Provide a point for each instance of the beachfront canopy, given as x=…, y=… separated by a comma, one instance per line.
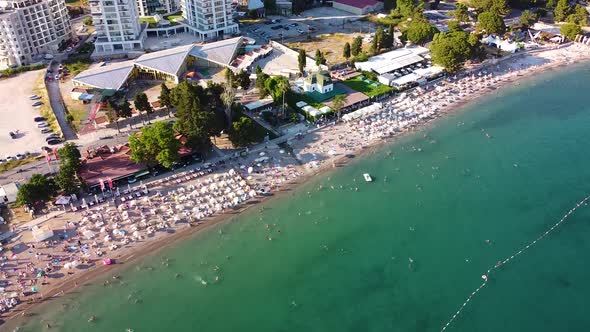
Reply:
x=41, y=233
x=362, y=112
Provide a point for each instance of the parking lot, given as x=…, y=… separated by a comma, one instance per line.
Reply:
x=312, y=22
x=17, y=113
x=282, y=28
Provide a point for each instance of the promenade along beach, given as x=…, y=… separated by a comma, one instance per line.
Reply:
x=447, y=202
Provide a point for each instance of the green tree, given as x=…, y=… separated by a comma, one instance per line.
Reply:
x=70, y=155
x=527, y=18
x=260, y=83
x=570, y=30
x=454, y=25
x=193, y=120
x=155, y=144
x=461, y=13
x=388, y=37
x=125, y=110
x=69, y=164
x=112, y=113
x=346, y=51
x=490, y=22
x=450, y=50
x=499, y=7
x=357, y=46
x=337, y=104
x=319, y=58
x=243, y=132
x=38, y=188
x=407, y=8
x=165, y=97
x=142, y=104
x=87, y=21
x=550, y=4
x=301, y=61
x=379, y=38
x=388, y=5
x=270, y=5
x=243, y=79
x=283, y=87
x=579, y=16
x=67, y=179
x=419, y=31
x=562, y=10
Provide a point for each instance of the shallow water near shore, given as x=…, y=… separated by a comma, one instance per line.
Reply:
x=401, y=253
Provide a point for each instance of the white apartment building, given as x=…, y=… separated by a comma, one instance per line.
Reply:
x=153, y=7
x=31, y=28
x=118, y=30
x=209, y=19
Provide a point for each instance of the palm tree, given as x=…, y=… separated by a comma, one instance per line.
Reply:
x=337, y=103
x=227, y=97
x=283, y=86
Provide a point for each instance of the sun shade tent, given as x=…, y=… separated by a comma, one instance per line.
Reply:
x=41, y=233
x=63, y=200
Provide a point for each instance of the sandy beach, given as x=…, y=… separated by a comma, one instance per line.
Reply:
x=160, y=213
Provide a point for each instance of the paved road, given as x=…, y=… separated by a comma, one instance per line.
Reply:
x=57, y=105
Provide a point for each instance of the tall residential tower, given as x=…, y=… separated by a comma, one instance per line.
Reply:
x=31, y=28
x=209, y=19
x=118, y=30
x=153, y=7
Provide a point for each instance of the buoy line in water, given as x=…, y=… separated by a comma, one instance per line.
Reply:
x=485, y=277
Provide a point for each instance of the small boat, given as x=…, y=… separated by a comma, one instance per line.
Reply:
x=367, y=177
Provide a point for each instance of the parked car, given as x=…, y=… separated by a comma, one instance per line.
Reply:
x=46, y=131
x=2, y=161
x=39, y=119
x=299, y=30
x=293, y=24
x=276, y=27
x=286, y=28
x=20, y=156
x=37, y=103
x=42, y=125
x=9, y=157
x=57, y=77
x=256, y=30
x=12, y=135
x=34, y=97
x=51, y=137
x=46, y=148
x=54, y=141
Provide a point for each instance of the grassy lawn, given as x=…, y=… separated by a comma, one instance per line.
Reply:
x=77, y=67
x=79, y=61
x=294, y=98
x=46, y=110
x=78, y=116
x=173, y=18
x=16, y=163
x=330, y=44
x=370, y=88
x=150, y=20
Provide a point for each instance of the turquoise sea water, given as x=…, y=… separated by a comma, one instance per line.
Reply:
x=403, y=252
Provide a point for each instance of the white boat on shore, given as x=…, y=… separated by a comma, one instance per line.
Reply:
x=368, y=177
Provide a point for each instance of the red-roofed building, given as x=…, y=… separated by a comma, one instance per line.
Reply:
x=359, y=7
x=104, y=163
